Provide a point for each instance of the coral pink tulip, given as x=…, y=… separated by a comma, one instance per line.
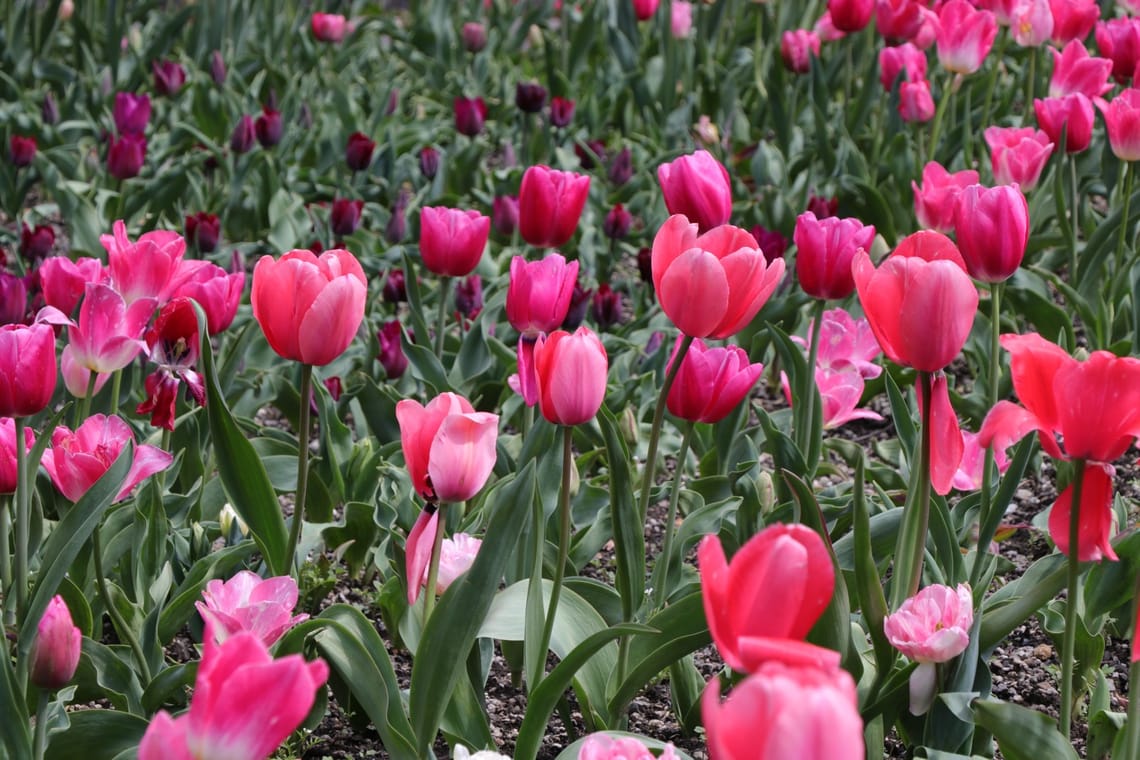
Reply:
x=775, y=588
x=784, y=712
x=449, y=448
x=1094, y=533
x=824, y=251
x=850, y=15
x=63, y=281
x=711, y=381
x=309, y=307
x=797, y=48
x=711, y=285
x=570, y=370
x=1073, y=19
x=456, y=555
x=930, y=627
x=215, y=290
x=1074, y=70
x=329, y=27
x=920, y=301
x=600, y=746
x=249, y=603
x=146, y=267
x=992, y=228
x=107, y=337
x=1032, y=22
x=1119, y=41
x=1018, y=156
x=452, y=240
x=550, y=205
x=905, y=59
x=76, y=460
x=8, y=453
x=55, y=650
x=539, y=293
x=27, y=369
x=916, y=104
x=698, y=187
x=965, y=36
x=1074, y=113
x=1122, y=118
x=936, y=199
x=245, y=704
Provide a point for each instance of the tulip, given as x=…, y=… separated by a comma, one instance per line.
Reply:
x=1074, y=113
x=397, y=226
x=126, y=156
x=243, y=136
x=13, y=299
x=680, y=19
x=850, y=15
x=145, y=268
x=561, y=112
x=21, y=150
x=845, y=343
x=474, y=37
x=329, y=27
x=76, y=460
x=898, y=20
x=826, y=29
x=1018, y=156
x=937, y=198
x=244, y=702
x=1119, y=40
x=449, y=448
x=429, y=162
x=906, y=59
x=1122, y=118
x=706, y=131
x=1074, y=70
x=645, y=263
x=579, y=305
x=606, y=307
x=916, y=104
x=395, y=287
x=710, y=285
x=309, y=307
x=822, y=206
x=797, y=48
x=267, y=127
x=570, y=371
x=456, y=555
x=617, y=223
x=1073, y=19
x=621, y=168
x=36, y=242
x=55, y=650
x=391, y=356
x=203, y=230
x=131, y=113
x=697, y=186
x=470, y=114
x=772, y=244
x=1032, y=23
x=469, y=296
x=8, y=454
x=247, y=603
x=418, y=551
x=505, y=214
x=63, y=281
x=1095, y=521
x=215, y=290
x=824, y=251
x=452, y=240
x=711, y=382
x=530, y=97
x=169, y=76
x=345, y=216
x=49, y=109
x=172, y=344
x=105, y=339
x=600, y=746
x=992, y=227
x=969, y=474
x=784, y=712
x=930, y=627
x=217, y=68
x=550, y=205
x=840, y=392
x=539, y=292
x=965, y=36
x=358, y=152
x=645, y=9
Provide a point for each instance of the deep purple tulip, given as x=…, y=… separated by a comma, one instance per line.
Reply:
x=36, y=242
x=345, y=216
x=268, y=127
x=429, y=162
x=505, y=214
x=358, y=152
x=622, y=167
x=530, y=97
x=243, y=136
x=470, y=114
x=617, y=223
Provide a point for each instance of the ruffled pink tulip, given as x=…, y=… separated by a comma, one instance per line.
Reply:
x=452, y=240
x=570, y=370
x=456, y=555
x=775, y=588
x=550, y=205
x=309, y=307
x=932, y=626
x=905, y=59
x=245, y=704
x=216, y=291
x=711, y=381
x=840, y=392
x=27, y=369
x=1119, y=41
x=63, y=280
x=850, y=15
x=969, y=475
x=107, y=337
x=8, y=453
x=539, y=293
x=697, y=186
x=76, y=460
x=936, y=199
x=797, y=48
x=1074, y=113
x=824, y=251
x=992, y=228
x=1122, y=118
x=1032, y=22
x=1073, y=19
x=711, y=285
x=784, y=712
x=449, y=448
x=1018, y=156
x=55, y=650
x=329, y=27
x=251, y=604
x=600, y=746
x=1074, y=70
x=146, y=267
x=965, y=36
x=916, y=104
x=845, y=342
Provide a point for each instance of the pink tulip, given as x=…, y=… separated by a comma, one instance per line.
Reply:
x=1074, y=70
x=932, y=626
x=1073, y=19
x=845, y=342
x=456, y=555
x=784, y=712
x=1122, y=117
x=992, y=228
x=905, y=59
x=644, y=9
x=1002, y=9
x=449, y=448
x=550, y=205
x=215, y=290
x=920, y=301
x=539, y=293
x=245, y=704
x=1018, y=156
x=1096, y=522
x=329, y=27
x=309, y=307
x=55, y=650
x=570, y=370
x=697, y=186
x=711, y=285
x=969, y=474
x=840, y=392
x=898, y=20
x=826, y=30
x=797, y=48
x=600, y=746
x=965, y=36
x=106, y=338
x=775, y=588
x=936, y=200
x=248, y=603
x=1119, y=40
x=63, y=281
x=76, y=460
x=711, y=382
x=146, y=267
x=452, y=240
x=824, y=251
x=680, y=18
x=916, y=104
x=27, y=369
x=1032, y=22
x=850, y=15
x=1073, y=112
x=8, y=453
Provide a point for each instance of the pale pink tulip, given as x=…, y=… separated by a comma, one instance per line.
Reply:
x=246, y=602
x=456, y=555
x=1032, y=22
x=933, y=625
x=146, y=267
x=845, y=341
x=681, y=18
x=601, y=746
x=76, y=460
x=969, y=474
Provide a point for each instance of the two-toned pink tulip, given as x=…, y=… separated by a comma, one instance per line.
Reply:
x=251, y=604
x=570, y=370
x=107, y=337
x=538, y=298
x=77, y=459
x=930, y=627
x=1074, y=70
x=1032, y=23
x=63, y=281
x=449, y=448
x=1073, y=19
x=1018, y=155
x=965, y=36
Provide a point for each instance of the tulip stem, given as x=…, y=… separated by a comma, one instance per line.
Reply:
x=563, y=543
x=1074, y=214
x=441, y=316
x=5, y=562
x=116, y=388
x=1074, y=565
x=655, y=432
x=84, y=407
x=41, y=724
x=809, y=391
x=302, y=468
x=1128, y=176
x=1132, y=735
x=23, y=517
x=433, y=564
x=982, y=550
x=923, y=503
x=939, y=113
x=660, y=588
x=124, y=631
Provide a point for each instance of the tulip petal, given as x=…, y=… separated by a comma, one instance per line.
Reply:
x=417, y=550
x=331, y=322
x=694, y=293
x=463, y=455
x=946, y=438
x=1096, y=517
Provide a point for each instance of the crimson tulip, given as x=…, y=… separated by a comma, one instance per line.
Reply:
x=550, y=205
x=391, y=355
x=824, y=251
x=267, y=127
x=561, y=112
x=452, y=240
x=172, y=344
x=698, y=187
x=850, y=15
x=344, y=217
x=711, y=381
x=77, y=459
x=125, y=156
x=570, y=372
x=992, y=228
x=644, y=9
x=36, y=242
x=203, y=229
x=244, y=135
x=21, y=150
x=358, y=151
x=470, y=115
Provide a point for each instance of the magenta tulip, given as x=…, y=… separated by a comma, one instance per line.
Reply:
x=126, y=156
x=1018, y=156
x=905, y=59
x=329, y=27
x=711, y=381
x=251, y=604
x=146, y=267
x=1122, y=118
x=8, y=453
x=1072, y=112
x=824, y=251
x=131, y=113
x=797, y=48
x=76, y=460
x=550, y=205
x=27, y=369
x=452, y=240
x=698, y=187
x=936, y=199
x=216, y=291
x=1073, y=19
x=916, y=104
x=992, y=228
x=1118, y=40
x=1074, y=70
x=55, y=650
x=539, y=293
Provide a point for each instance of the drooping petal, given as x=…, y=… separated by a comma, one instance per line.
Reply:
x=1094, y=532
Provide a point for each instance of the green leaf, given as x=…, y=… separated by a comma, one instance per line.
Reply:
x=96, y=735
x=629, y=533
x=1019, y=600
x=1023, y=734
x=869, y=586
x=15, y=740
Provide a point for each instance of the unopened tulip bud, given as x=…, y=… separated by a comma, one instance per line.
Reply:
x=561, y=112
x=244, y=135
x=55, y=651
x=49, y=111
x=429, y=162
x=474, y=37
x=628, y=426
x=217, y=68
x=766, y=490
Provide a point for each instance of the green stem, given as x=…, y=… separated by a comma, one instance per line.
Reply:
x=811, y=392
x=987, y=467
x=992, y=83
x=433, y=564
x=302, y=468
x=670, y=521
x=1074, y=213
x=23, y=517
x=1132, y=727
x=923, y=503
x=441, y=316
x=126, y=634
x=1128, y=176
x=655, y=432
x=41, y=724
x=85, y=402
x=1074, y=566
x=939, y=114
x=1031, y=80
x=116, y=388
x=563, y=541
x=5, y=561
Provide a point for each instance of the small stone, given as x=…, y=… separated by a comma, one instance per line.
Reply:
x=1043, y=651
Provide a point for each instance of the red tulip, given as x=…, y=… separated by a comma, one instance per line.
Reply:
x=644, y=9
x=992, y=228
x=145, y=268
x=850, y=15
x=21, y=150
x=898, y=20
x=550, y=205
x=905, y=59
x=570, y=370
x=1122, y=118
x=1073, y=19
x=452, y=240
x=172, y=344
x=797, y=48
x=698, y=187
x=1018, y=156
x=539, y=292
x=309, y=307
x=937, y=198
x=358, y=152
x=449, y=448
x=55, y=650
x=470, y=115
x=76, y=460
x=215, y=290
x=329, y=27
x=169, y=76
x=824, y=251
x=63, y=281
x=711, y=382
x=711, y=285
x=8, y=452
x=1075, y=112
x=1074, y=70
x=775, y=589
x=1095, y=530
x=920, y=301
x=126, y=156
x=916, y=104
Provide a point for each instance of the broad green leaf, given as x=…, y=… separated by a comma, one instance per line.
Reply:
x=15, y=739
x=629, y=534
x=96, y=735
x=1023, y=734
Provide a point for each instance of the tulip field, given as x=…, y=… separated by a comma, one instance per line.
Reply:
x=597, y=380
